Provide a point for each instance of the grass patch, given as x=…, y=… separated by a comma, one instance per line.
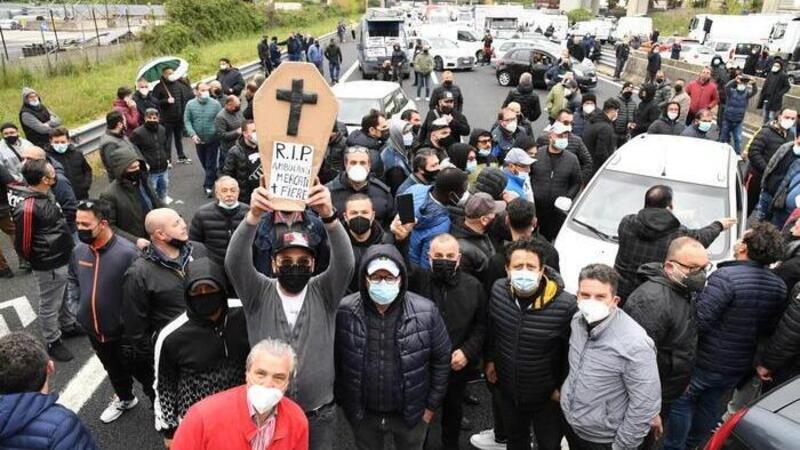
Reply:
x=79, y=95
x=675, y=21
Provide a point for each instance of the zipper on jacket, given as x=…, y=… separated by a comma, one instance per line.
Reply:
x=578, y=370
x=94, y=294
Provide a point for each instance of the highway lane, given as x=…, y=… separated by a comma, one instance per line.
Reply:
x=82, y=383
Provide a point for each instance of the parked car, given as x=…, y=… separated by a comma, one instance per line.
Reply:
x=503, y=47
x=697, y=54
x=537, y=61
x=447, y=54
x=10, y=24
x=666, y=44
x=741, y=51
x=357, y=97
x=723, y=48
x=705, y=179
x=772, y=422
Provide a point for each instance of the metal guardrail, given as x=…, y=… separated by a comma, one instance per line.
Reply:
x=86, y=138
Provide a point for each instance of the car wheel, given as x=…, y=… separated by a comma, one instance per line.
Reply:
x=504, y=78
x=438, y=64
x=478, y=56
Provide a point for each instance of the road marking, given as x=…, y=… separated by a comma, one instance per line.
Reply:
x=349, y=72
x=22, y=307
x=83, y=385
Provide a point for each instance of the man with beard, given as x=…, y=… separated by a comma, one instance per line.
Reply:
x=445, y=109
x=425, y=165
x=448, y=85
x=373, y=134
x=295, y=307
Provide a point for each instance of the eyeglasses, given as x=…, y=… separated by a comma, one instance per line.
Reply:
x=692, y=269
x=377, y=278
x=484, y=140
x=302, y=261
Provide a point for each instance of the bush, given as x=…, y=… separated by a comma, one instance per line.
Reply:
x=579, y=15
x=169, y=38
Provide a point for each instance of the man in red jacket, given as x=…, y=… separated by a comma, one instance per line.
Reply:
x=703, y=93
x=254, y=415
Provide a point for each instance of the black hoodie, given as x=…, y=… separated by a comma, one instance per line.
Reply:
x=647, y=112
x=197, y=357
x=376, y=236
x=528, y=101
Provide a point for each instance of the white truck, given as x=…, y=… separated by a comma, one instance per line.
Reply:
x=600, y=29
x=784, y=40
x=749, y=28
x=501, y=21
x=633, y=26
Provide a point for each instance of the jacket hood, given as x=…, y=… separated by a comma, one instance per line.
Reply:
x=654, y=223
x=664, y=111
x=26, y=91
x=598, y=117
x=458, y=153
x=378, y=251
x=120, y=160
x=650, y=91
x=19, y=410
x=475, y=134
x=655, y=272
x=202, y=269
x=396, y=129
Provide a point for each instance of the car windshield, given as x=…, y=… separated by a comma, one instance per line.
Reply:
x=696, y=205
x=442, y=43
x=351, y=110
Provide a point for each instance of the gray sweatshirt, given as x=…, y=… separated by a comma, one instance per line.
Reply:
x=313, y=333
x=613, y=390
x=227, y=125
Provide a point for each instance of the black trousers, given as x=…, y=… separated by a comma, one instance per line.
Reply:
x=545, y=418
x=120, y=374
x=497, y=413
x=452, y=410
x=576, y=443
x=175, y=133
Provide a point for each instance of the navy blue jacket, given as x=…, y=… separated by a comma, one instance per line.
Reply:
x=422, y=341
x=30, y=420
x=741, y=303
x=736, y=101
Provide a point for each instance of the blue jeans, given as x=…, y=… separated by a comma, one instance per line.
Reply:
x=334, y=69
x=207, y=154
x=698, y=410
x=734, y=130
x=160, y=183
x=424, y=80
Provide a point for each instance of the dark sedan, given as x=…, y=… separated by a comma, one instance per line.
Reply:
x=520, y=60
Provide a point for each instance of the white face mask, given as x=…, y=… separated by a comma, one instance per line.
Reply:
x=567, y=92
x=776, y=68
x=357, y=174
x=173, y=77
x=263, y=399
x=672, y=115
x=408, y=139
x=224, y=205
x=511, y=126
x=593, y=310
x=786, y=123
x=254, y=138
x=144, y=91
x=588, y=109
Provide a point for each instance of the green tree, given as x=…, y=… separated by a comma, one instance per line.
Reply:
x=579, y=15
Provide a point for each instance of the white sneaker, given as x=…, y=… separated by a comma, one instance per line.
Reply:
x=417, y=99
x=485, y=441
x=427, y=99
x=116, y=408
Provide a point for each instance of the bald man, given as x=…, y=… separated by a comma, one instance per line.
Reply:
x=62, y=190
x=153, y=290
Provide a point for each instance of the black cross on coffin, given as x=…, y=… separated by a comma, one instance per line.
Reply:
x=296, y=98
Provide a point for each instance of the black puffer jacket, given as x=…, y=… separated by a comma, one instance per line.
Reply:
x=764, y=145
x=666, y=311
x=553, y=177
x=783, y=350
x=231, y=80
x=153, y=147
x=244, y=165
x=578, y=147
x=625, y=115
x=422, y=342
x=776, y=86
x=170, y=112
x=213, y=226
x=666, y=126
x=377, y=236
x=529, y=348
x=647, y=112
x=644, y=238
x=789, y=268
x=381, y=195
x=528, y=101
x=476, y=248
x=76, y=169
x=42, y=236
x=600, y=139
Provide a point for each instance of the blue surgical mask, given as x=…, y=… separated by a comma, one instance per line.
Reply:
x=704, y=126
x=472, y=166
x=383, y=292
x=484, y=153
x=561, y=143
x=524, y=281
x=60, y=148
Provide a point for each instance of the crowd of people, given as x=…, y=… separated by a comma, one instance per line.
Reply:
x=251, y=327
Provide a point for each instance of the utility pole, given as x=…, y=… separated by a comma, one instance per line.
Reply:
x=55, y=33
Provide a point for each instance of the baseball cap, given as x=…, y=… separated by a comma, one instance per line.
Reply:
x=447, y=95
x=439, y=124
x=292, y=239
x=383, y=263
x=481, y=204
x=518, y=156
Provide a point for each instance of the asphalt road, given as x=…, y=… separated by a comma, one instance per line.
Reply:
x=81, y=382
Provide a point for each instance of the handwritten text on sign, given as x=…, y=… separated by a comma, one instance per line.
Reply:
x=290, y=172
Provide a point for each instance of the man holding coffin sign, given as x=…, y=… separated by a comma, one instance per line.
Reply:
x=294, y=111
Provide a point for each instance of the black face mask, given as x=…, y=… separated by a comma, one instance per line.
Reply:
x=151, y=126
x=447, y=83
x=443, y=269
x=294, y=278
x=207, y=305
x=87, y=236
x=678, y=88
x=627, y=95
x=415, y=129
x=385, y=134
x=359, y=224
x=177, y=243
x=430, y=175
x=12, y=140
x=132, y=177
x=446, y=109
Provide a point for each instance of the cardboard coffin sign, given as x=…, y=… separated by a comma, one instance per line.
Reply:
x=294, y=112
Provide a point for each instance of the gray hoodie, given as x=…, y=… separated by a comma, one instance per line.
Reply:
x=613, y=389
x=29, y=120
x=313, y=333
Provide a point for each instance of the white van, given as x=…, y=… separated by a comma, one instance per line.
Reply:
x=633, y=26
x=601, y=29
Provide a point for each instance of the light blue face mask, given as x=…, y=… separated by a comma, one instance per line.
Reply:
x=472, y=166
x=704, y=126
x=524, y=281
x=796, y=150
x=383, y=292
x=484, y=153
x=60, y=148
x=561, y=143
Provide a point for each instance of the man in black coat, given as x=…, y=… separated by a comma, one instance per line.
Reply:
x=169, y=96
x=575, y=145
x=448, y=85
x=776, y=86
x=599, y=134
x=527, y=98
x=527, y=340
x=230, y=78
x=644, y=237
x=663, y=306
x=461, y=302
x=358, y=217
x=76, y=168
x=647, y=112
x=243, y=162
x=374, y=134
x=214, y=223
x=622, y=51
x=780, y=361
x=457, y=122
x=762, y=147
x=263, y=55
x=357, y=179
x=150, y=139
